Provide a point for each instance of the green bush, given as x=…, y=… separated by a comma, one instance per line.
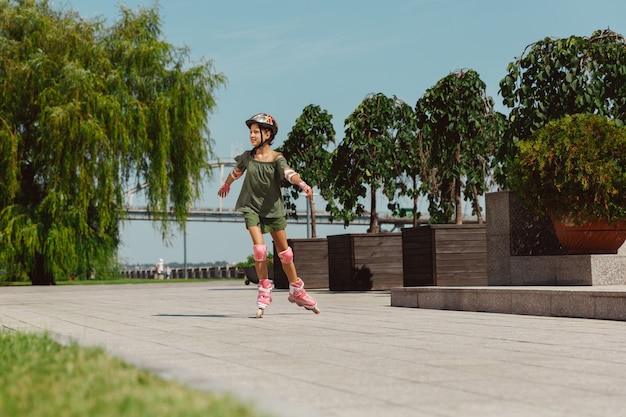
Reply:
x=573, y=168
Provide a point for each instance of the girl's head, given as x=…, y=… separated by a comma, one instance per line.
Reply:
x=265, y=123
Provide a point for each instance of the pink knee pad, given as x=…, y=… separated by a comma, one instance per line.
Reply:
x=260, y=252
x=286, y=256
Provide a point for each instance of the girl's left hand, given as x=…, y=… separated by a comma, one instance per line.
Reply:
x=308, y=192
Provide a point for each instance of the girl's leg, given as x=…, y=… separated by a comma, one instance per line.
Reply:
x=280, y=241
x=257, y=241
x=297, y=293
x=264, y=297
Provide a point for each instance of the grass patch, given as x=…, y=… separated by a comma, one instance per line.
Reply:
x=142, y=281
x=40, y=378
x=124, y=281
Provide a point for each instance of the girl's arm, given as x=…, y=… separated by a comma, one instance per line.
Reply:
x=235, y=174
x=294, y=178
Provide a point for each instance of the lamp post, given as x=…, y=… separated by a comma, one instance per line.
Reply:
x=185, y=250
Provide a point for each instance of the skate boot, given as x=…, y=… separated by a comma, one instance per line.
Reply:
x=265, y=296
x=298, y=295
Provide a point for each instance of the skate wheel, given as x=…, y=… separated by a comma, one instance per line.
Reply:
x=316, y=310
x=259, y=313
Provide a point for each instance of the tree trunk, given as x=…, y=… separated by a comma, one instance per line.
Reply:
x=477, y=207
x=40, y=276
x=374, y=215
x=457, y=201
x=313, y=221
x=415, y=219
x=457, y=189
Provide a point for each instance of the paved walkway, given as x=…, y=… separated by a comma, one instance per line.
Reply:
x=360, y=357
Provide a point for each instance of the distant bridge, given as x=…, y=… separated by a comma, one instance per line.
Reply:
x=228, y=215
x=232, y=216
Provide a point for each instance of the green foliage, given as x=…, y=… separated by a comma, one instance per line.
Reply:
x=87, y=111
x=39, y=377
x=409, y=164
x=556, y=77
x=573, y=168
x=306, y=152
x=367, y=158
x=458, y=131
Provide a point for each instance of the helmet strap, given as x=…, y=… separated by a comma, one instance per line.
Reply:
x=262, y=141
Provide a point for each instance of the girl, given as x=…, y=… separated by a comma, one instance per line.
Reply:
x=261, y=202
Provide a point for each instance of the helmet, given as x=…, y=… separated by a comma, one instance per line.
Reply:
x=264, y=120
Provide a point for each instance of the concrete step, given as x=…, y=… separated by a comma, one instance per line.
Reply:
x=592, y=302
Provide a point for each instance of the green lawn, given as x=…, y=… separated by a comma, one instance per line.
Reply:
x=42, y=378
x=142, y=281
x=124, y=281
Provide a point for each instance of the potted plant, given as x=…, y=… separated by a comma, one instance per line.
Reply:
x=573, y=170
x=250, y=270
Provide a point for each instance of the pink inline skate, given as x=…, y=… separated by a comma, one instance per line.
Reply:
x=265, y=296
x=298, y=295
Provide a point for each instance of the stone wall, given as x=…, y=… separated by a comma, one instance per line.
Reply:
x=523, y=250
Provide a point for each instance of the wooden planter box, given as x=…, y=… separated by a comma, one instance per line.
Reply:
x=311, y=259
x=445, y=255
x=361, y=262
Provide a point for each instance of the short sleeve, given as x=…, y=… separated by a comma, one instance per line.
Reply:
x=243, y=160
x=281, y=164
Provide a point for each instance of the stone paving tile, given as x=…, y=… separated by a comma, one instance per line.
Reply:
x=360, y=357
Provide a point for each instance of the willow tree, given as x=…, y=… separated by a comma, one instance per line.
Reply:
x=305, y=149
x=367, y=160
x=88, y=110
x=458, y=130
x=555, y=77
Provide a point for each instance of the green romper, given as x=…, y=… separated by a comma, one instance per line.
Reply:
x=261, y=198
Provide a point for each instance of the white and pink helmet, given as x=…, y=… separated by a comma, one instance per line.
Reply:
x=264, y=120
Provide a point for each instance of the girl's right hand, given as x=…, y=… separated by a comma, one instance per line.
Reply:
x=224, y=190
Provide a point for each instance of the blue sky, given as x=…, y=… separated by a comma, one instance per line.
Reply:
x=280, y=56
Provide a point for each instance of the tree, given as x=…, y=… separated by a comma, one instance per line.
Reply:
x=305, y=149
x=410, y=165
x=557, y=77
x=367, y=158
x=458, y=131
x=87, y=111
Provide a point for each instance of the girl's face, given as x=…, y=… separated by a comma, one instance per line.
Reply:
x=255, y=134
